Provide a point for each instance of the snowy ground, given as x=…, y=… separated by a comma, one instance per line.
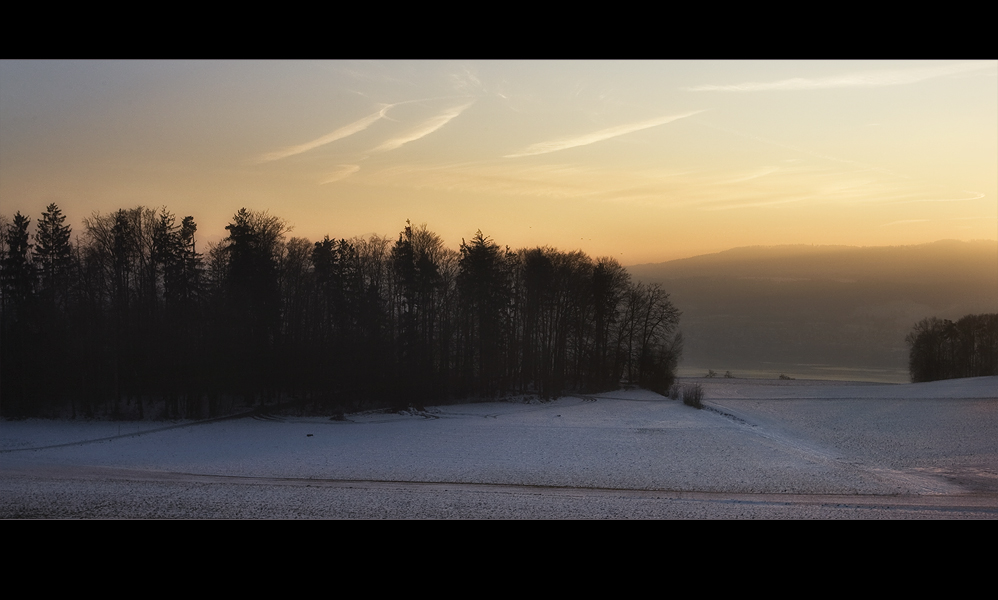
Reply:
x=761, y=449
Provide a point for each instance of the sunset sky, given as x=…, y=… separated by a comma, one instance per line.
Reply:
x=645, y=161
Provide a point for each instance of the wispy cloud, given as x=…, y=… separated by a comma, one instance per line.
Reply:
x=792, y=183
x=860, y=79
x=424, y=129
x=466, y=81
x=347, y=130
x=801, y=150
x=596, y=136
x=343, y=172
x=811, y=184
x=972, y=196
x=754, y=175
x=753, y=201
x=548, y=181
x=905, y=221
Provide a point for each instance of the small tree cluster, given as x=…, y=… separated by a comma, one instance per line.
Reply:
x=942, y=349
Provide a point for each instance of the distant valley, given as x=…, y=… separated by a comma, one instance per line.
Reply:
x=821, y=311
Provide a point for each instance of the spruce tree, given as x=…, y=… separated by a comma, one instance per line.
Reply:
x=53, y=251
x=18, y=271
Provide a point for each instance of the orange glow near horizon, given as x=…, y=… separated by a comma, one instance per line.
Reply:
x=644, y=161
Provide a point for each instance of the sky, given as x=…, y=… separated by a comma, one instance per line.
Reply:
x=644, y=161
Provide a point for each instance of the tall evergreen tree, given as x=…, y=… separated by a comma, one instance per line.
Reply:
x=18, y=270
x=53, y=252
x=18, y=346
x=485, y=286
x=174, y=249
x=252, y=297
x=417, y=278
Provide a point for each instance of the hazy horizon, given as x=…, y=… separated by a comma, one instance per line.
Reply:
x=644, y=161
x=825, y=312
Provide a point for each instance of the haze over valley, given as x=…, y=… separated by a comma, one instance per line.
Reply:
x=821, y=311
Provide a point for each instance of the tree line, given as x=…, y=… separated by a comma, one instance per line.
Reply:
x=942, y=349
x=131, y=317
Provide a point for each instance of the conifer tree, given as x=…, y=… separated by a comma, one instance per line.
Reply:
x=18, y=270
x=52, y=250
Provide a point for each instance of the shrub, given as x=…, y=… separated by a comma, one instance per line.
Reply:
x=786, y=377
x=693, y=395
x=710, y=374
x=728, y=375
x=675, y=391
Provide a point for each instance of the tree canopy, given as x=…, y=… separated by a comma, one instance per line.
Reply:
x=134, y=319
x=942, y=349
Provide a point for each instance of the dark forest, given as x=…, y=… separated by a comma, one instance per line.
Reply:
x=130, y=318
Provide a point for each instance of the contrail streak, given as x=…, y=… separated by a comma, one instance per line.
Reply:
x=905, y=221
x=424, y=129
x=343, y=172
x=342, y=132
x=597, y=136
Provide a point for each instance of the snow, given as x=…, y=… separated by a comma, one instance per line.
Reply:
x=762, y=448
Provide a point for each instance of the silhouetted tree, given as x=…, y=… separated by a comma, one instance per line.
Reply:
x=484, y=286
x=174, y=250
x=252, y=299
x=653, y=347
x=18, y=346
x=179, y=332
x=52, y=327
x=416, y=282
x=53, y=253
x=19, y=273
x=610, y=283
x=4, y=223
x=536, y=273
x=942, y=349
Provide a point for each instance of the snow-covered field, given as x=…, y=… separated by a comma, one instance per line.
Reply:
x=761, y=449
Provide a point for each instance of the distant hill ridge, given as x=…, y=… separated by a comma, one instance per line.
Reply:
x=944, y=260
x=806, y=309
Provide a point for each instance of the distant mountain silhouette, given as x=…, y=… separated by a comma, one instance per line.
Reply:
x=810, y=309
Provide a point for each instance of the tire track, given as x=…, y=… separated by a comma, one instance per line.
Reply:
x=914, y=483
x=979, y=505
